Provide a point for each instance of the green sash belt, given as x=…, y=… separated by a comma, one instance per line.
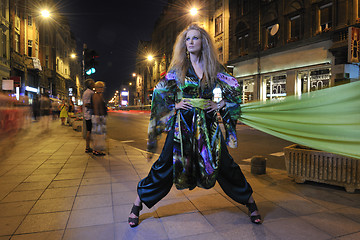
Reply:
x=198, y=102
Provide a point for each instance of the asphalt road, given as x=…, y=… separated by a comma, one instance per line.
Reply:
x=131, y=128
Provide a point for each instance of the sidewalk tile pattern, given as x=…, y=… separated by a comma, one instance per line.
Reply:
x=51, y=189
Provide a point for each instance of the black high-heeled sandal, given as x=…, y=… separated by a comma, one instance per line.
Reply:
x=252, y=208
x=136, y=211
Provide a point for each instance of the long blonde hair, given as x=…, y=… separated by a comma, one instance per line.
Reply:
x=208, y=55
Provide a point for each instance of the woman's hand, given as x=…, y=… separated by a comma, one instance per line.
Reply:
x=213, y=106
x=183, y=104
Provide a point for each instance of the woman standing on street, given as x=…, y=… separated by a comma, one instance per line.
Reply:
x=63, y=112
x=195, y=152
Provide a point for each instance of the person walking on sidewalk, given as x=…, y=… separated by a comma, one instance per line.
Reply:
x=194, y=153
x=98, y=120
x=88, y=111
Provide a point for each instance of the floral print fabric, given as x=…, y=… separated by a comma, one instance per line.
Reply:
x=197, y=134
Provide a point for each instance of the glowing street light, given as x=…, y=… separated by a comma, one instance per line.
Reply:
x=134, y=74
x=150, y=57
x=193, y=11
x=73, y=55
x=45, y=13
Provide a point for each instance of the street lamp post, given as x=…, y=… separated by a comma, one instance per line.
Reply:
x=147, y=80
x=132, y=88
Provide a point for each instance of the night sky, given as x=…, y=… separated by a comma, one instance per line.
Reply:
x=113, y=29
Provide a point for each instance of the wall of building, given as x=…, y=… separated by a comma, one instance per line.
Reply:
x=36, y=44
x=5, y=41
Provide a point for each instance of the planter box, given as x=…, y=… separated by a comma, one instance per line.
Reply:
x=306, y=164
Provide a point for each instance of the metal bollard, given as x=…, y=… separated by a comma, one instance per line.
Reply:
x=258, y=165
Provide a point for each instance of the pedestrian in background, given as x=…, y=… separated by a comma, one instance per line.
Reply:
x=195, y=153
x=88, y=111
x=36, y=108
x=98, y=120
x=70, y=111
x=45, y=106
x=63, y=111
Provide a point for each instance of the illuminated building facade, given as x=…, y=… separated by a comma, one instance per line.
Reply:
x=290, y=47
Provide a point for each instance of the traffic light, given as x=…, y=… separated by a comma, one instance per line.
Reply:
x=90, y=61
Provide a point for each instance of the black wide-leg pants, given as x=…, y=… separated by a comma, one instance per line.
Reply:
x=160, y=179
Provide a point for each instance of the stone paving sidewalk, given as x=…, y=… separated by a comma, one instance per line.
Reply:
x=51, y=190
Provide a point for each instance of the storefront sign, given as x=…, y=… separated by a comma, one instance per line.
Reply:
x=8, y=85
x=36, y=63
x=353, y=44
x=17, y=80
x=31, y=89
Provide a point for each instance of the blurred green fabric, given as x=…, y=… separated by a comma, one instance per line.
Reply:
x=327, y=120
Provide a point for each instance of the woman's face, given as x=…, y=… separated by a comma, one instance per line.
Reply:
x=193, y=41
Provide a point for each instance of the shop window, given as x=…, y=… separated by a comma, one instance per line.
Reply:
x=319, y=79
x=326, y=21
x=269, y=39
x=314, y=80
x=218, y=25
x=243, y=7
x=295, y=28
x=275, y=86
x=248, y=90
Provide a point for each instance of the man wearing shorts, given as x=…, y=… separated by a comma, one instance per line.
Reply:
x=88, y=111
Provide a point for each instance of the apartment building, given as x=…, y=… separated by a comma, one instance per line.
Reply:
x=290, y=47
x=274, y=48
x=40, y=51
x=4, y=43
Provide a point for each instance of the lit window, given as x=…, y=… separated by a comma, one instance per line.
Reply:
x=30, y=47
x=326, y=17
x=17, y=42
x=275, y=86
x=243, y=7
x=218, y=25
x=295, y=28
x=269, y=39
x=30, y=20
x=242, y=43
